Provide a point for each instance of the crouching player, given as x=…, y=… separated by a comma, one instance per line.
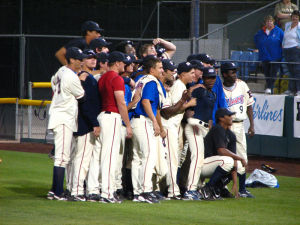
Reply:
x=221, y=159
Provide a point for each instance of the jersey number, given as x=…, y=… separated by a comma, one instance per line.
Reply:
x=58, y=85
x=241, y=109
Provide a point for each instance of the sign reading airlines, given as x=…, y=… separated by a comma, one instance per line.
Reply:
x=268, y=114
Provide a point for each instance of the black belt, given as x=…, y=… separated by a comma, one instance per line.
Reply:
x=203, y=123
x=238, y=121
x=107, y=112
x=136, y=116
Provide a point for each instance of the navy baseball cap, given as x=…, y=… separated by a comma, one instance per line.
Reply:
x=75, y=53
x=116, y=57
x=209, y=72
x=191, y=57
x=204, y=58
x=91, y=26
x=128, y=59
x=145, y=59
x=228, y=66
x=221, y=112
x=168, y=64
x=102, y=57
x=99, y=43
x=197, y=64
x=184, y=67
x=89, y=53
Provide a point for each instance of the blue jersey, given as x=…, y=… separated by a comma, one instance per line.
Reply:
x=128, y=95
x=151, y=93
x=205, y=104
x=220, y=101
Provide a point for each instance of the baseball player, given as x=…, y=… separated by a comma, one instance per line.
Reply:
x=240, y=101
x=90, y=30
x=63, y=114
x=113, y=111
x=99, y=45
x=88, y=130
x=101, y=67
x=196, y=129
x=220, y=158
x=174, y=113
x=146, y=128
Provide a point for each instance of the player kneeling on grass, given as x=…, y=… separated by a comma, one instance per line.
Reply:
x=221, y=159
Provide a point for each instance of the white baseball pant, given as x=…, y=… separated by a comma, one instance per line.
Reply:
x=241, y=142
x=84, y=147
x=110, y=138
x=144, y=154
x=196, y=146
x=120, y=156
x=172, y=144
x=93, y=186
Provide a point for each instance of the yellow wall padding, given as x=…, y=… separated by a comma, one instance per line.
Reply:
x=41, y=84
x=24, y=101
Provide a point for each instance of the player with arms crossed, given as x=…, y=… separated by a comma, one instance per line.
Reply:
x=240, y=101
x=63, y=114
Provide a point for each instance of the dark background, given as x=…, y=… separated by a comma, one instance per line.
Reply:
x=119, y=18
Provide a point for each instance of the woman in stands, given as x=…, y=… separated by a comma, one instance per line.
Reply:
x=291, y=51
x=268, y=40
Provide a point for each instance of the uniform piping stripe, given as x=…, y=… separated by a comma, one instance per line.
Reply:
x=170, y=163
x=215, y=161
x=112, y=144
x=196, y=160
x=81, y=162
x=147, y=157
x=62, y=153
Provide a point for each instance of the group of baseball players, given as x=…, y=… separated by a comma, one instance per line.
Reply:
x=143, y=128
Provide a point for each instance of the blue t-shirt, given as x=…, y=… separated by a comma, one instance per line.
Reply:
x=128, y=95
x=150, y=92
x=205, y=104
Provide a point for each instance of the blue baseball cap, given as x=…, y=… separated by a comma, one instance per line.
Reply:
x=75, y=53
x=89, y=53
x=209, y=72
x=102, y=57
x=116, y=56
x=99, y=43
x=197, y=64
x=184, y=67
x=90, y=26
x=168, y=64
x=221, y=112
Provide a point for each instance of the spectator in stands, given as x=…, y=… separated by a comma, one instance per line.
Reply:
x=268, y=40
x=90, y=30
x=291, y=51
x=283, y=12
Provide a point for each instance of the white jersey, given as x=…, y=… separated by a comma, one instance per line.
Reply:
x=176, y=93
x=238, y=98
x=64, y=106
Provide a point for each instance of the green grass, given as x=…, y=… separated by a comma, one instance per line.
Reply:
x=25, y=179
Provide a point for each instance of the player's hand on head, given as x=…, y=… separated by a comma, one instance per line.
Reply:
x=192, y=102
x=97, y=131
x=156, y=41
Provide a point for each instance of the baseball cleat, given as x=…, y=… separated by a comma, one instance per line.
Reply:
x=149, y=197
x=176, y=197
x=206, y=193
x=191, y=195
x=160, y=196
x=50, y=195
x=246, y=194
x=77, y=198
x=109, y=200
x=60, y=198
x=93, y=198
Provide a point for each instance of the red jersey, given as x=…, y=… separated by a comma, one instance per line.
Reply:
x=108, y=84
